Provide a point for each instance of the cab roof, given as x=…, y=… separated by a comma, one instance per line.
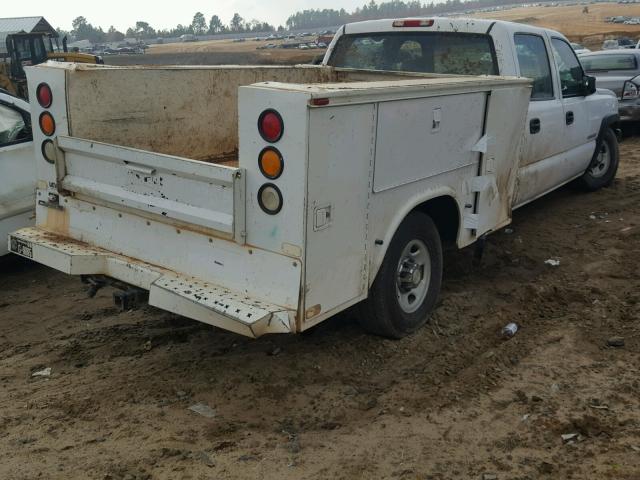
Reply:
x=442, y=24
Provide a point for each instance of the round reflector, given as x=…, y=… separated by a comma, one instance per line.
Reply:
x=270, y=125
x=49, y=151
x=44, y=95
x=270, y=198
x=47, y=124
x=271, y=163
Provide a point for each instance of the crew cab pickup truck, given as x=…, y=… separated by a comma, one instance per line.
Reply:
x=267, y=199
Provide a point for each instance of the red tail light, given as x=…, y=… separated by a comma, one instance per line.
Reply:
x=44, y=95
x=270, y=126
x=418, y=22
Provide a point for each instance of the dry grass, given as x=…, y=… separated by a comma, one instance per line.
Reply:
x=588, y=28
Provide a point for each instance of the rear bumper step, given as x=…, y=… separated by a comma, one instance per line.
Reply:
x=168, y=290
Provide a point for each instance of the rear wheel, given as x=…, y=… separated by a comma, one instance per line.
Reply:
x=604, y=166
x=408, y=282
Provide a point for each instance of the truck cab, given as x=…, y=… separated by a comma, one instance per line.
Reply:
x=567, y=117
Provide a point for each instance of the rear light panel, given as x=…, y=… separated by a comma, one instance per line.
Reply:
x=270, y=126
x=412, y=23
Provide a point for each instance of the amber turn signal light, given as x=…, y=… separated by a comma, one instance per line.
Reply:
x=47, y=124
x=271, y=163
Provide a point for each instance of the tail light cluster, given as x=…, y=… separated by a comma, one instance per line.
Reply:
x=47, y=123
x=270, y=161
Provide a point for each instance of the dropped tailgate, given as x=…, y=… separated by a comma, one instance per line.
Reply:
x=172, y=189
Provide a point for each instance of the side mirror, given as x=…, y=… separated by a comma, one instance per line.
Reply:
x=629, y=91
x=589, y=85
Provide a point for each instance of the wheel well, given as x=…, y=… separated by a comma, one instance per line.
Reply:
x=444, y=213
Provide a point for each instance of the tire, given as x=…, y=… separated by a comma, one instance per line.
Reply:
x=604, y=166
x=390, y=310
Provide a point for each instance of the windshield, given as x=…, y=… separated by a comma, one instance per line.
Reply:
x=12, y=126
x=444, y=52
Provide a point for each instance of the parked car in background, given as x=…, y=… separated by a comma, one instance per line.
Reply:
x=17, y=167
x=579, y=49
x=623, y=42
x=610, y=45
x=619, y=71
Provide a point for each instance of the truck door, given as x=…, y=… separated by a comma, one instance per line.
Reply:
x=545, y=117
x=17, y=172
x=578, y=140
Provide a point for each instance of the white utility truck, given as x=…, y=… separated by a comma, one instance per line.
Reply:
x=17, y=167
x=267, y=199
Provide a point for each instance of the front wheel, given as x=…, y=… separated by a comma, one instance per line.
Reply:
x=604, y=166
x=408, y=282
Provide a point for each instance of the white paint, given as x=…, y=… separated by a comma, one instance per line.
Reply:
x=17, y=180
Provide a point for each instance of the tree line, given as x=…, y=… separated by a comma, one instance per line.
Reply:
x=306, y=19
x=83, y=30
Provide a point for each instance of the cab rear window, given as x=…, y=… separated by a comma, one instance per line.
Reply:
x=609, y=62
x=423, y=52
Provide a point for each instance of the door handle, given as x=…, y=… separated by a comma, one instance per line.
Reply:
x=534, y=125
x=569, y=118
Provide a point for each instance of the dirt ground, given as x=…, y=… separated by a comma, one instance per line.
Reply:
x=454, y=401
x=218, y=52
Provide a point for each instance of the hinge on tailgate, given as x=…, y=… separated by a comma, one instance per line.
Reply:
x=53, y=201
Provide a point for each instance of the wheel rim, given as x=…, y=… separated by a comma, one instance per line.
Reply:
x=413, y=276
x=603, y=160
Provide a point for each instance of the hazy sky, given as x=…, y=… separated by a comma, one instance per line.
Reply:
x=124, y=13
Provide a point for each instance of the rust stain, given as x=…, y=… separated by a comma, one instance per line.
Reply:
x=313, y=311
x=58, y=221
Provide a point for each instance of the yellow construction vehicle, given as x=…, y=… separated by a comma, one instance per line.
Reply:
x=25, y=49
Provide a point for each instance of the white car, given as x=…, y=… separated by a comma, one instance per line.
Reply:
x=17, y=167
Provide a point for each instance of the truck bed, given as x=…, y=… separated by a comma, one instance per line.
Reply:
x=146, y=108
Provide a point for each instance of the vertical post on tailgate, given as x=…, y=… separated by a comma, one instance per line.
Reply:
x=239, y=207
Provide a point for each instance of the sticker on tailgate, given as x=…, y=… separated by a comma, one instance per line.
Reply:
x=22, y=247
